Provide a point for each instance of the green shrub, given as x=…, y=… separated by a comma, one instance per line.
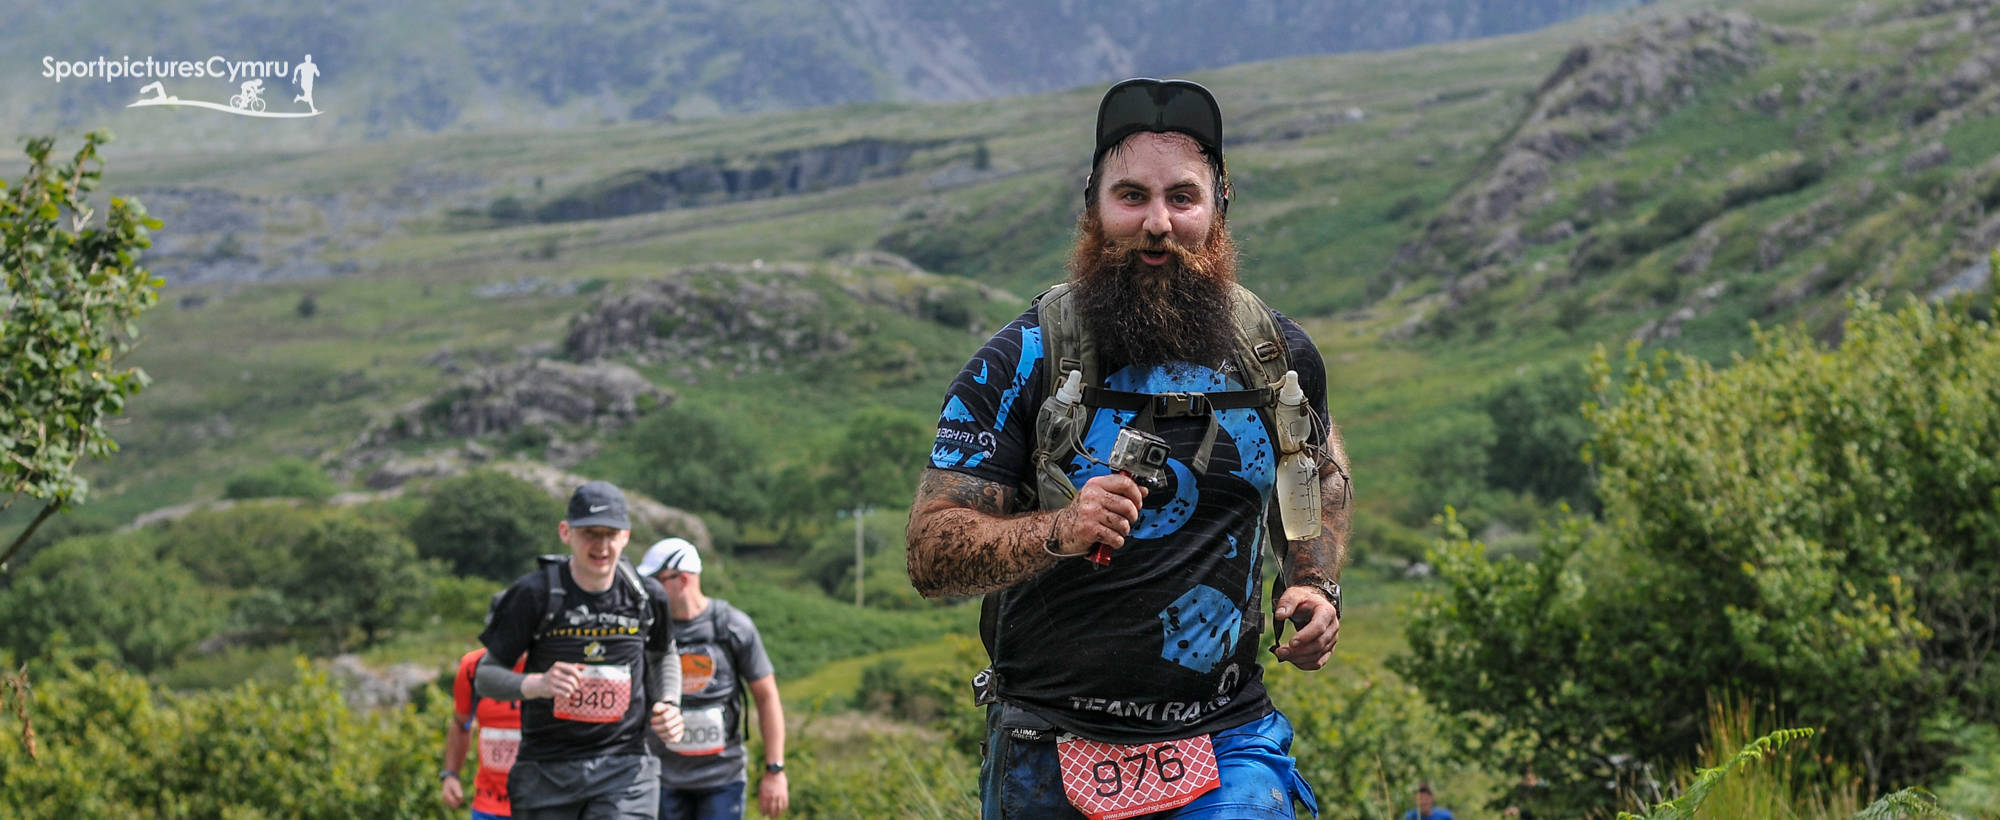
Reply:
x=692, y=458
x=486, y=523
x=1538, y=435
x=109, y=745
x=1808, y=526
x=356, y=574
x=285, y=477
x=1363, y=739
x=261, y=539
x=112, y=590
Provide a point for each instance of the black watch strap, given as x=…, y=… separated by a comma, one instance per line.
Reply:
x=774, y=768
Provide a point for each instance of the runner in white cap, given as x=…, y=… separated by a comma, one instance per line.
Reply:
x=722, y=657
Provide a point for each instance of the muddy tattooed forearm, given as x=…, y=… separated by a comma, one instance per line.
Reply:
x=963, y=542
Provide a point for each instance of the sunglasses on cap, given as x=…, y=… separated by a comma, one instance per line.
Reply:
x=1146, y=104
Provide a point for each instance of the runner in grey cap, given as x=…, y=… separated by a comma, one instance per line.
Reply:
x=598, y=638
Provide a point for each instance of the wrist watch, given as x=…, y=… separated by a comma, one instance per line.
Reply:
x=1329, y=589
x=447, y=774
x=774, y=768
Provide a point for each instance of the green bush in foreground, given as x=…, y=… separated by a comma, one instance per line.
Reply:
x=1817, y=529
x=69, y=295
x=109, y=745
x=111, y=588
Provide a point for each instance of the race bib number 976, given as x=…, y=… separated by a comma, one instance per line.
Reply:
x=1107, y=781
x=602, y=696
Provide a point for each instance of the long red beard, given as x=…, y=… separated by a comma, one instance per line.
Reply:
x=1142, y=315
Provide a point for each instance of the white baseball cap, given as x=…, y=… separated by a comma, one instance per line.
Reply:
x=671, y=553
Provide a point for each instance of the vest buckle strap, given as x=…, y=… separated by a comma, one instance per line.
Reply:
x=1178, y=405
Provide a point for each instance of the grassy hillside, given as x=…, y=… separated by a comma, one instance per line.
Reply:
x=1765, y=188
x=1696, y=170
x=1446, y=221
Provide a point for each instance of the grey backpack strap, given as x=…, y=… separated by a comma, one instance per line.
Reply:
x=1066, y=347
x=631, y=577
x=718, y=623
x=1260, y=346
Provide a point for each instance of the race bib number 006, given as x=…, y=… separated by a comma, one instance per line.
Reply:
x=703, y=735
x=602, y=696
x=497, y=748
x=1107, y=781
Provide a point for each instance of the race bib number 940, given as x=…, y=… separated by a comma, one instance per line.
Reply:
x=1107, y=781
x=602, y=696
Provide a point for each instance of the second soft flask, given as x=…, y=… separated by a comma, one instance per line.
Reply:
x=1298, y=473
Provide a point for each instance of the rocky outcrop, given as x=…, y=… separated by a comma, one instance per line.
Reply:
x=756, y=316
x=1815, y=223
x=1927, y=157
x=534, y=393
x=719, y=180
x=711, y=314
x=1669, y=326
x=366, y=688
x=1602, y=93
x=1699, y=252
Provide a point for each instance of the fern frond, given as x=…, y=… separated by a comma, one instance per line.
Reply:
x=1684, y=806
x=1910, y=802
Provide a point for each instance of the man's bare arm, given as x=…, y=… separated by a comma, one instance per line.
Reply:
x=1321, y=558
x=963, y=542
x=1312, y=561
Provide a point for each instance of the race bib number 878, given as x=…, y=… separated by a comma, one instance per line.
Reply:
x=498, y=747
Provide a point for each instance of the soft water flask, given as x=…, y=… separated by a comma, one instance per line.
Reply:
x=1071, y=390
x=1298, y=475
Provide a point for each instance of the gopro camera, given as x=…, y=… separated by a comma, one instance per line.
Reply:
x=1141, y=455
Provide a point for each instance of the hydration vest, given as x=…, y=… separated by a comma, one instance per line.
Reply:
x=1259, y=352
x=552, y=570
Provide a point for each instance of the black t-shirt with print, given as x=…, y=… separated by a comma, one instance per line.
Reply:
x=1164, y=642
x=599, y=630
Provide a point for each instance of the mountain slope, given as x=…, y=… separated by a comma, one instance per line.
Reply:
x=1768, y=159
x=396, y=68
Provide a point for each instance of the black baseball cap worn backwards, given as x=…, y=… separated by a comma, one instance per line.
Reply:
x=1146, y=104
x=598, y=504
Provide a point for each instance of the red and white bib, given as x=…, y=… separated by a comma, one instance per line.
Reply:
x=1107, y=781
x=703, y=735
x=498, y=748
x=602, y=696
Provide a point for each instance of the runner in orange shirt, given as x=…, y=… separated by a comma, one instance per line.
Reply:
x=499, y=737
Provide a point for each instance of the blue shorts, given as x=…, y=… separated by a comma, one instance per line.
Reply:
x=1021, y=779
x=480, y=815
x=723, y=803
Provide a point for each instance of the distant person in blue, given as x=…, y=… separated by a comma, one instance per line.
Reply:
x=1106, y=471
x=1426, y=806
